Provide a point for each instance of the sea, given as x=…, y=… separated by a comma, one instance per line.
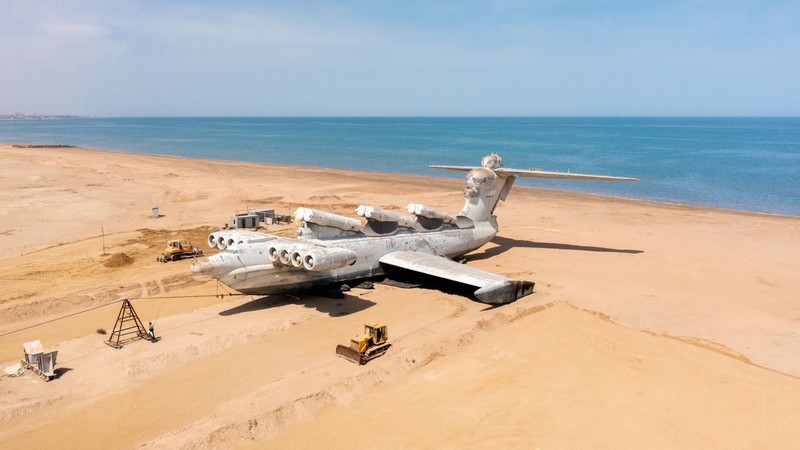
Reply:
x=748, y=164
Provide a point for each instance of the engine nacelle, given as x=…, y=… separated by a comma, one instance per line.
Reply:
x=381, y=215
x=424, y=211
x=275, y=249
x=327, y=219
x=319, y=259
x=296, y=258
x=224, y=239
x=218, y=240
x=285, y=254
x=272, y=251
x=293, y=254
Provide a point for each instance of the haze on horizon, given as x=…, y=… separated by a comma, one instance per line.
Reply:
x=360, y=58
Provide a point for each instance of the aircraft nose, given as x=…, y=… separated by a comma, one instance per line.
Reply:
x=202, y=267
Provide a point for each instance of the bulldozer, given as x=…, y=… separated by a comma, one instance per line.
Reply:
x=367, y=346
x=178, y=249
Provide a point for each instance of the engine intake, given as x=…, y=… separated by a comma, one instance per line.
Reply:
x=224, y=239
x=279, y=247
x=320, y=259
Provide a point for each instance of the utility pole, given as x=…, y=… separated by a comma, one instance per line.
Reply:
x=103, y=234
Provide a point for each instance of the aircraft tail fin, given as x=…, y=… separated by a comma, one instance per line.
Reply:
x=491, y=182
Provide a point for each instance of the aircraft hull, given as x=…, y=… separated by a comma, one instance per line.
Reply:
x=263, y=277
x=255, y=263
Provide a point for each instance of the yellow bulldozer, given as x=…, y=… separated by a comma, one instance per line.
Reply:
x=179, y=249
x=367, y=346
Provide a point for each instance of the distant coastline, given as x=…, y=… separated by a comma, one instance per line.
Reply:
x=18, y=116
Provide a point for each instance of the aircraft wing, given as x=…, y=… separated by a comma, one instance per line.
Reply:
x=492, y=288
x=536, y=173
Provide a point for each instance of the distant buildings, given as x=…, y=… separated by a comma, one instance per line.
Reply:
x=19, y=116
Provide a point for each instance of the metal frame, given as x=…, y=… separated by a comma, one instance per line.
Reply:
x=125, y=332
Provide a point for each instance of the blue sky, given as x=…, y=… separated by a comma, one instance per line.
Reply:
x=400, y=58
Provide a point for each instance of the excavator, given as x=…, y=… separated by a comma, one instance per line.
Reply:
x=179, y=249
x=366, y=347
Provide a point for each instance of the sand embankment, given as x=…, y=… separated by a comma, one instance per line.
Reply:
x=544, y=371
x=567, y=378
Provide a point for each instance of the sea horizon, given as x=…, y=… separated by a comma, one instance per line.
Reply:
x=42, y=116
x=736, y=163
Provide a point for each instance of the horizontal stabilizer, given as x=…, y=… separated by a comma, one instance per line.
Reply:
x=456, y=168
x=492, y=288
x=536, y=173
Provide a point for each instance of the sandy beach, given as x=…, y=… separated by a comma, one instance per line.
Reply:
x=652, y=325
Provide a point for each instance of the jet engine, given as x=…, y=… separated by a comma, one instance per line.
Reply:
x=296, y=258
x=424, y=211
x=283, y=256
x=224, y=239
x=380, y=215
x=327, y=219
x=319, y=259
x=293, y=254
x=275, y=249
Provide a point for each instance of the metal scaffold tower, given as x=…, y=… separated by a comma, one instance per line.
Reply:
x=128, y=327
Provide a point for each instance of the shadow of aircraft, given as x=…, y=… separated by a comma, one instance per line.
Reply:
x=409, y=279
x=504, y=244
x=343, y=306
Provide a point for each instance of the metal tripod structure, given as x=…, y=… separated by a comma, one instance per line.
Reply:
x=128, y=327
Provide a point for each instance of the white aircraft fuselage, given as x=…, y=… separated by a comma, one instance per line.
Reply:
x=247, y=268
x=332, y=249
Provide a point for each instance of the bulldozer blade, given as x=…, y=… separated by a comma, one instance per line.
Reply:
x=349, y=354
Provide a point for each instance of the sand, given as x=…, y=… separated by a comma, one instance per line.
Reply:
x=653, y=325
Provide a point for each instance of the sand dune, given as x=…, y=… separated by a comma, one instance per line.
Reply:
x=653, y=325
x=576, y=380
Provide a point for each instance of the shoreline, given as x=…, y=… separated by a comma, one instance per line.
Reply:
x=356, y=171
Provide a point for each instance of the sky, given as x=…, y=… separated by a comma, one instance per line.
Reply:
x=400, y=58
